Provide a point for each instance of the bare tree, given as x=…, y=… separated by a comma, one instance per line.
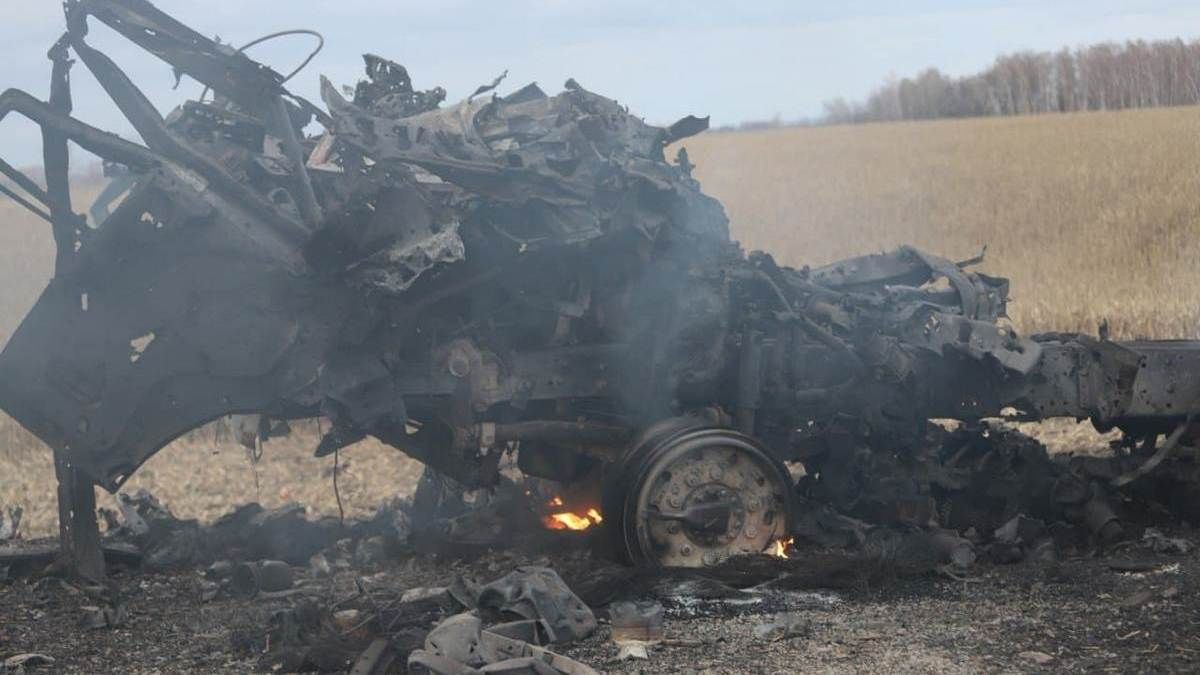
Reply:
x=1105, y=76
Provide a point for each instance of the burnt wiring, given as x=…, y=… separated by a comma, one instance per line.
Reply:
x=337, y=493
x=283, y=33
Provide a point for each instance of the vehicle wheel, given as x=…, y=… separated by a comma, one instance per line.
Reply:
x=688, y=495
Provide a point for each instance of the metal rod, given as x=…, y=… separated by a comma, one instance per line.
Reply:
x=310, y=210
x=555, y=431
x=56, y=158
x=283, y=33
x=100, y=143
x=24, y=182
x=1150, y=464
x=29, y=206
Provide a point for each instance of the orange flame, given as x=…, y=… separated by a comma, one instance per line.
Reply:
x=568, y=520
x=779, y=548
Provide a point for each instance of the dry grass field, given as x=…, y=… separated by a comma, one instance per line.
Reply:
x=1094, y=216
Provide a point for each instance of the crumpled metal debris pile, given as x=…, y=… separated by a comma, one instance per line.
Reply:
x=513, y=621
x=509, y=625
x=245, y=550
x=523, y=621
x=250, y=532
x=982, y=491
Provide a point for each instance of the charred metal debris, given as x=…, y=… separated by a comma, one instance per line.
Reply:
x=527, y=274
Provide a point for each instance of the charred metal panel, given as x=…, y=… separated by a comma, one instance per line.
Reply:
x=1138, y=386
x=173, y=316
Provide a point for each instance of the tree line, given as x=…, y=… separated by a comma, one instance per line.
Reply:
x=1107, y=76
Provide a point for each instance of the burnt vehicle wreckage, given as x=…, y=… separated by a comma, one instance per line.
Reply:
x=526, y=270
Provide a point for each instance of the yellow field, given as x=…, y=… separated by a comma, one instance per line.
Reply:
x=1094, y=216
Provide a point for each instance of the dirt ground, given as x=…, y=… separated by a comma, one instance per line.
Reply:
x=1074, y=615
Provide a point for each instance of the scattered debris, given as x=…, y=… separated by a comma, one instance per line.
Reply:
x=493, y=627
x=784, y=627
x=549, y=613
x=539, y=595
x=1134, y=566
x=370, y=552
x=319, y=567
x=209, y=590
x=1138, y=599
x=1016, y=538
x=93, y=618
x=1164, y=544
x=23, y=559
x=632, y=650
x=249, y=533
x=378, y=659
x=1021, y=529
x=347, y=620
x=1038, y=658
x=20, y=664
x=10, y=523
x=636, y=626
x=265, y=576
x=636, y=621
x=219, y=570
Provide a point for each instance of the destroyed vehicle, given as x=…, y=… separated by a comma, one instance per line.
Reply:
x=515, y=272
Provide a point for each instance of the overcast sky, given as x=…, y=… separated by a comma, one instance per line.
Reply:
x=737, y=61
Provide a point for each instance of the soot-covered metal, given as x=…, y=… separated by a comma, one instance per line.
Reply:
x=515, y=270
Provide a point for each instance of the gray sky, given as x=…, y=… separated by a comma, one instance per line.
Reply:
x=737, y=61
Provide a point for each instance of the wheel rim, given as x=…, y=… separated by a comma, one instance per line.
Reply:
x=697, y=496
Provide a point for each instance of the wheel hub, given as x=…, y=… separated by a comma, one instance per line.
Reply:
x=701, y=496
